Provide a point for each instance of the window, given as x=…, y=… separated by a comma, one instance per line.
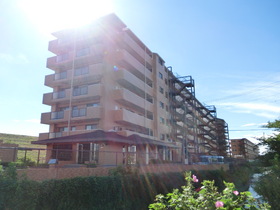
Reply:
x=161, y=105
x=91, y=127
x=166, y=94
x=62, y=152
x=81, y=71
x=149, y=82
x=73, y=128
x=166, y=108
x=161, y=89
x=165, y=80
x=78, y=112
x=82, y=90
x=162, y=137
x=59, y=94
x=149, y=98
x=64, y=108
x=63, y=129
x=161, y=120
x=160, y=75
x=83, y=52
x=150, y=115
x=61, y=75
x=62, y=57
x=93, y=105
x=57, y=115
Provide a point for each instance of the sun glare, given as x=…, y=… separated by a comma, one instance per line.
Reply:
x=52, y=15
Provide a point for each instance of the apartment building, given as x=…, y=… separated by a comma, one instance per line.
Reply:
x=244, y=149
x=111, y=93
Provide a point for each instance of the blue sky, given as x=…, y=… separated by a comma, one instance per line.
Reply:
x=231, y=49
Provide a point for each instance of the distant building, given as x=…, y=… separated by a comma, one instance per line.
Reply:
x=243, y=149
x=112, y=94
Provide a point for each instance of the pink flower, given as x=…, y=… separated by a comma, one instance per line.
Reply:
x=235, y=192
x=219, y=204
x=194, y=178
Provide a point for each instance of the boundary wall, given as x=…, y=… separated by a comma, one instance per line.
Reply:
x=41, y=174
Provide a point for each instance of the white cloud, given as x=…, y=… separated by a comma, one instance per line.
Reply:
x=20, y=58
x=249, y=124
x=253, y=124
x=259, y=109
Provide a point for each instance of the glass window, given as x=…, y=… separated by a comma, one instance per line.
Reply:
x=93, y=105
x=62, y=152
x=160, y=75
x=81, y=90
x=73, y=128
x=62, y=57
x=63, y=129
x=83, y=52
x=161, y=120
x=78, y=112
x=91, y=127
x=59, y=94
x=81, y=71
x=57, y=115
x=149, y=98
x=161, y=89
x=161, y=105
x=162, y=137
x=150, y=115
x=61, y=75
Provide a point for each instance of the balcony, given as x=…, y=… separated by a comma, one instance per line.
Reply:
x=129, y=99
x=128, y=118
x=63, y=45
x=65, y=62
x=83, y=115
x=132, y=83
x=136, y=50
x=132, y=64
x=63, y=97
x=63, y=79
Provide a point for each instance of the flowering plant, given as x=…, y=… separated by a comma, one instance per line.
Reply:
x=206, y=197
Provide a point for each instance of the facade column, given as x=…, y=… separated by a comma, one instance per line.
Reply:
x=147, y=154
x=77, y=153
x=90, y=152
x=156, y=152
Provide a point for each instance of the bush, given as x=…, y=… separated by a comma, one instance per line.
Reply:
x=206, y=197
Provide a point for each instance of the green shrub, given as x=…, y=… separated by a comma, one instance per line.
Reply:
x=206, y=197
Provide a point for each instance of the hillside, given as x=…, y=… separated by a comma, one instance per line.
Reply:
x=21, y=140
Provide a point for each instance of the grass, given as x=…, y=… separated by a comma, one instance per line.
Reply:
x=25, y=142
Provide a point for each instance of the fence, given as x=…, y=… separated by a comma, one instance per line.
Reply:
x=38, y=156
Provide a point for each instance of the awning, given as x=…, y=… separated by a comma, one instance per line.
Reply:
x=102, y=136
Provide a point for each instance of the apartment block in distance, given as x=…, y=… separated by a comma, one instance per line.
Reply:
x=244, y=149
x=113, y=101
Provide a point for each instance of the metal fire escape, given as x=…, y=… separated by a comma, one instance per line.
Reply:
x=194, y=125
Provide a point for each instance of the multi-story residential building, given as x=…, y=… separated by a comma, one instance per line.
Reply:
x=111, y=93
x=243, y=149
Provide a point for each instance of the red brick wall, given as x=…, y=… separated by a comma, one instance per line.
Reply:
x=64, y=173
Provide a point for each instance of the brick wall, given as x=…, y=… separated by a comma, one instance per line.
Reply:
x=8, y=152
x=38, y=174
